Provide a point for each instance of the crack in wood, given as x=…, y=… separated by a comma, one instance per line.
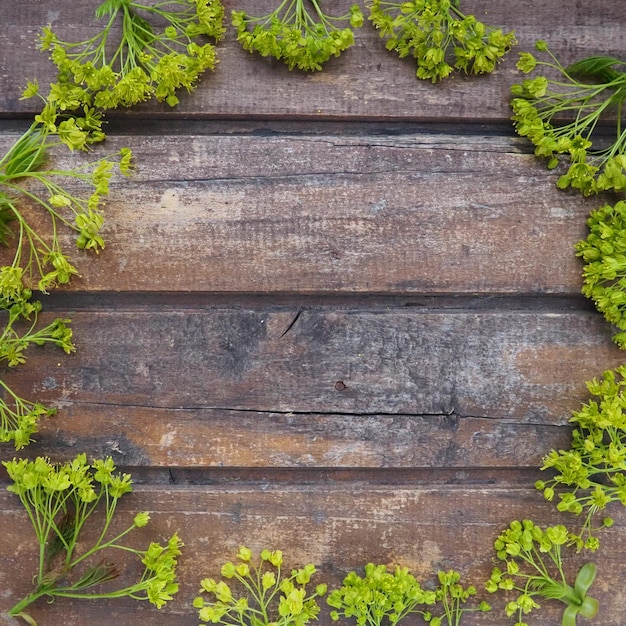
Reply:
x=451, y=416
x=293, y=321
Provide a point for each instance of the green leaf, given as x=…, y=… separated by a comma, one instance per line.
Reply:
x=569, y=615
x=7, y=215
x=26, y=155
x=597, y=67
x=99, y=573
x=109, y=7
x=584, y=579
x=142, y=30
x=589, y=608
x=64, y=535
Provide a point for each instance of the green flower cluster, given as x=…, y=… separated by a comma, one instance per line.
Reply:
x=298, y=32
x=143, y=64
x=75, y=124
x=452, y=597
x=440, y=37
x=39, y=260
x=19, y=419
x=560, y=116
x=271, y=598
x=60, y=500
x=28, y=188
x=13, y=344
x=534, y=569
x=604, y=273
x=381, y=597
x=592, y=473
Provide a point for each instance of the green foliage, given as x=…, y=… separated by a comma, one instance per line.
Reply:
x=604, y=253
x=592, y=473
x=60, y=501
x=19, y=418
x=298, y=32
x=27, y=184
x=560, y=116
x=268, y=597
x=440, y=37
x=452, y=597
x=145, y=62
x=534, y=570
x=379, y=597
x=13, y=344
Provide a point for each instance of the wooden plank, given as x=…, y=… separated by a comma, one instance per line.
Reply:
x=366, y=81
x=415, y=213
x=529, y=367
x=337, y=527
x=156, y=437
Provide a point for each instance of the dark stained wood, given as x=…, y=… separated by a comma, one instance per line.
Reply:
x=530, y=367
x=365, y=82
x=415, y=213
x=335, y=527
x=199, y=438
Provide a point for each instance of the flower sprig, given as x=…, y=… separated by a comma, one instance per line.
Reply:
x=60, y=501
x=534, y=570
x=604, y=274
x=560, y=117
x=267, y=596
x=19, y=418
x=452, y=597
x=592, y=473
x=146, y=62
x=75, y=123
x=298, y=32
x=380, y=597
x=27, y=181
x=13, y=343
x=440, y=37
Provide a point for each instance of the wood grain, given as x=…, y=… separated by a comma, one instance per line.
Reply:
x=335, y=527
x=201, y=438
x=365, y=82
x=529, y=367
x=415, y=213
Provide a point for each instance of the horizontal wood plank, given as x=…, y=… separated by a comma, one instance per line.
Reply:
x=526, y=366
x=201, y=438
x=366, y=81
x=337, y=528
x=415, y=213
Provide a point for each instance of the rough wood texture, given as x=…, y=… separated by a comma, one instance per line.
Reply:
x=197, y=438
x=365, y=82
x=424, y=528
x=528, y=367
x=337, y=314
x=415, y=213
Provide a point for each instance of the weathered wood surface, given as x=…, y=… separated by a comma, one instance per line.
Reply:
x=524, y=366
x=200, y=438
x=318, y=388
x=365, y=82
x=420, y=526
x=414, y=213
x=337, y=314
